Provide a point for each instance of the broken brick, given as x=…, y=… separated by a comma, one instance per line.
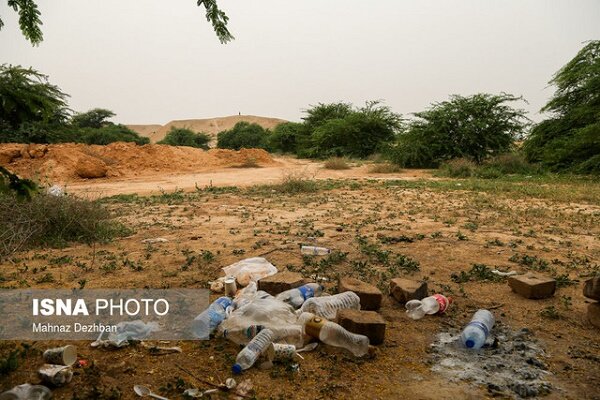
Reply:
x=532, y=285
x=280, y=282
x=404, y=290
x=370, y=296
x=367, y=323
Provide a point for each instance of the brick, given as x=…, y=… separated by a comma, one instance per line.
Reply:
x=591, y=290
x=532, y=285
x=368, y=323
x=404, y=290
x=280, y=282
x=593, y=314
x=370, y=296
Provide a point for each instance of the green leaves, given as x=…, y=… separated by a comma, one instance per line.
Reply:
x=29, y=19
x=218, y=19
x=186, y=137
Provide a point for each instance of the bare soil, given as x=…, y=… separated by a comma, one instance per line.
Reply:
x=450, y=230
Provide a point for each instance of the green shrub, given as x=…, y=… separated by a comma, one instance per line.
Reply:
x=243, y=135
x=286, y=136
x=186, y=137
x=511, y=163
x=46, y=220
x=458, y=168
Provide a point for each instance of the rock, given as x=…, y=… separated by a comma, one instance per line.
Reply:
x=280, y=282
x=9, y=152
x=368, y=323
x=370, y=296
x=591, y=290
x=593, y=314
x=37, y=150
x=532, y=285
x=91, y=168
x=404, y=290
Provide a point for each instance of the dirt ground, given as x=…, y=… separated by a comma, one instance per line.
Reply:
x=373, y=219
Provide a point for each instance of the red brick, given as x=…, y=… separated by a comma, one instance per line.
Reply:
x=280, y=282
x=591, y=289
x=368, y=323
x=370, y=296
x=532, y=285
x=404, y=290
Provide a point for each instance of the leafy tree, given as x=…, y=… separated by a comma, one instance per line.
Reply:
x=186, y=137
x=318, y=115
x=285, y=137
x=26, y=96
x=106, y=135
x=30, y=22
x=243, y=135
x=570, y=138
x=94, y=118
x=472, y=127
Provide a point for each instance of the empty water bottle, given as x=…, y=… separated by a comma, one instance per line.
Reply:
x=290, y=334
x=249, y=354
x=475, y=333
x=417, y=309
x=314, y=250
x=297, y=296
x=328, y=306
x=333, y=334
x=206, y=323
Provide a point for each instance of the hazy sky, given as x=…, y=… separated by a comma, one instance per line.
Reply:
x=153, y=61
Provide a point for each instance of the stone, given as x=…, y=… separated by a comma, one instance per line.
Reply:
x=404, y=290
x=37, y=150
x=10, y=152
x=593, y=314
x=532, y=285
x=91, y=168
x=591, y=290
x=370, y=296
x=280, y=282
x=368, y=323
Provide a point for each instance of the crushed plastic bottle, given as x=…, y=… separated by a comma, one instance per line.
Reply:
x=249, y=354
x=206, y=323
x=288, y=334
x=328, y=306
x=315, y=251
x=475, y=333
x=27, y=392
x=333, y=334
x=417, y=309
x=297, y=296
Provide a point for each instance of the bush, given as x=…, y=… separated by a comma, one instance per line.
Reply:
x=47, y=220
x=384, y=168
x=472, y=127
x=186, y=137
x=243, y=135
x=458, y=168
x=286, y=137
x=511, y=163
x=495, y=167
x=336, y=163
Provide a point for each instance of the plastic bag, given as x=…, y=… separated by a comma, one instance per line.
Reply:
x=126, y=331
x=250, y=270
x=27, y=392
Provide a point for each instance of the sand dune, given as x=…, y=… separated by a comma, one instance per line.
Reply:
x=212, y=126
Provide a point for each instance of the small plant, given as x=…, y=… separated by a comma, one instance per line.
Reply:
x=406, y=264
x=564, y=280
x=394, y=239
x=530, y=262
x=461, y=236
x=336, y=163
x=478, y=272
x=550, y=312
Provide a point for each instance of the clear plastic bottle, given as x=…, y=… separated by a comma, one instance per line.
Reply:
x=245, y=296
x=290, y=334
x=333, y=334
x=315, y=251
x=249, y=354
x=328, y=306
x=475, y=333
x=206, y=323
x=417, y=309
x=297, y=296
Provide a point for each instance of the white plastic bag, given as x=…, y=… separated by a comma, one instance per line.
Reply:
x=250, y=270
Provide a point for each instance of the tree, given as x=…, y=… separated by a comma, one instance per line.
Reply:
x=474, y=127
x=30, y=22
x=285, y=137
x=186, y=137
x=243, y=135
x=26, y=96
x=570, y=139
x=94, y=118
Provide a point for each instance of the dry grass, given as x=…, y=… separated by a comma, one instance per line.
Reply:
x=336, y=163
x=250, y=162
x=384, y=168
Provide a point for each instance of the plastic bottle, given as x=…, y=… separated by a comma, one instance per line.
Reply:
x=297, y=296
x=475, y=333
x=328, y=306
x=249, y=354
x=417, y=309
x=290, y=334
x=315, y=251
x=245, y=296
x=205, y=323
x=333, y=334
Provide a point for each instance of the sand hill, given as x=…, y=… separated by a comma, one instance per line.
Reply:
x=212, y=126
x=67, y=162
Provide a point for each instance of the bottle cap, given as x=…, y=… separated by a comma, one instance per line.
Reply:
x=237, y=369
x=313, y=327
x=470, y=343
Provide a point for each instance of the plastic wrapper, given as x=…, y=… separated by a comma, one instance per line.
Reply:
x=250, y=270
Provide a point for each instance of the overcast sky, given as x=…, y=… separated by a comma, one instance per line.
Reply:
x=153, y=61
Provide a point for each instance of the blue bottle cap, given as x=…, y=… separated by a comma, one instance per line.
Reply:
x=237, y=369
x=470, y=343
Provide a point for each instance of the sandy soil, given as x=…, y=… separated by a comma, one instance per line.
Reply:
x=450, y=230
